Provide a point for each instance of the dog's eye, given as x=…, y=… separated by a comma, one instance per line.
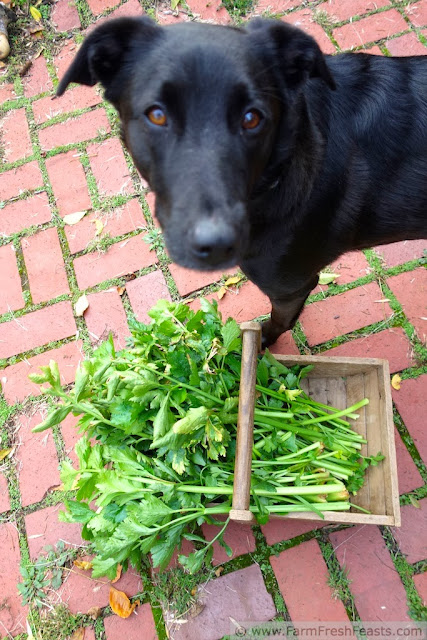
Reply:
x=251, y=119
x=157, y=116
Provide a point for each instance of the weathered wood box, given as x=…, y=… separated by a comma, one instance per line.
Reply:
x=339, y=382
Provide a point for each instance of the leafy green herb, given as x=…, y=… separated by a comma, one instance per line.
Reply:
x=158, y=419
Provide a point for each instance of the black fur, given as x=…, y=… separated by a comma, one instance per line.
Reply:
x=338, y=161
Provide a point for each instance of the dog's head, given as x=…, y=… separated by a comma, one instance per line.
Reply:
x=203, y=109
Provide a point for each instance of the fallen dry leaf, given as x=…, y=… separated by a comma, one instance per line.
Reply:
x=120, y=603
x=218, y=571
x=232, y=280
x=94, y=612
x=81, y=305
x=327, y=278
x=78, y=634
x=193, y=591
x=414, y=501
x=221, y=292
x=395, y=381
x=83, y=564
x=4, y=453
x=74, y=218
x=121, y=290
x=195, y=609
x=99, y=225
x=118, y=574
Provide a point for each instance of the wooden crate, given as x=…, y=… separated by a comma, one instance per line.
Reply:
x=340, y=382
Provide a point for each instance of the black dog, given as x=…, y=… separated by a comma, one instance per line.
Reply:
x=263, y=152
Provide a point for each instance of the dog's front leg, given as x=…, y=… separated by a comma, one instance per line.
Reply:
x=285, y=312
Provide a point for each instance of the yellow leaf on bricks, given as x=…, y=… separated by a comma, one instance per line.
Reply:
x=83, y=564
x=327, y=278
x=78, y=634
x=395, y=381
x=74, y=218
x=81, y=305
x=233, y=280
x=221, y=292
x=4, y=453
x=99, y=225
x=120, y=603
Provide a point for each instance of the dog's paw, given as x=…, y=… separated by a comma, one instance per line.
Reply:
x=269, y=334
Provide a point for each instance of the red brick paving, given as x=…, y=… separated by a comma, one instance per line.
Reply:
x=25, y=178
x=36, y=457
x=36, y=329
x=37, y=79
x=401, y=252
x=45, y=265
x=64, y=58
x=409, y=478
x=411, y=291
x=241, y=595
x=239, y=537
x=11, y=297
x=15, y=136
x=344, y=313
x=109, y=168
x=12, y=613
x=65, y=15
x=188, y=280
x=114, y=223
x=210, y=10
x=349, y=267
x=4, y=494
x=120, y=259
x=75, y=98
x=411, y=402
x=291, y=568
x=391, y=344
x=417, y=14
x=374, y=582
x=80, y=591
x=279, y=529
x=20, y=214
x=100, y=324
x=411, y=536
x=275, y=6
x=144, y=292
x=340, y=11
x=406, y=45
x=88, y=125
x=376, y=586
x=7, y=92
x=244, y=303
x=43, y=528
x=420, y=582
x=16, y=385
x=139, y=625
x=68, y=181
x=98, y=6
x=305, y=21
x=379, y=26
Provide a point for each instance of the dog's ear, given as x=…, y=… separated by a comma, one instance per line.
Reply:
x=298, y=54
x=103, y=53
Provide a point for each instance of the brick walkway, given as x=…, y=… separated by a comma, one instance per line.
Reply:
x=63, y=156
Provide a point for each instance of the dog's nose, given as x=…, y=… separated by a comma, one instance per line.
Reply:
x=213, y=241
